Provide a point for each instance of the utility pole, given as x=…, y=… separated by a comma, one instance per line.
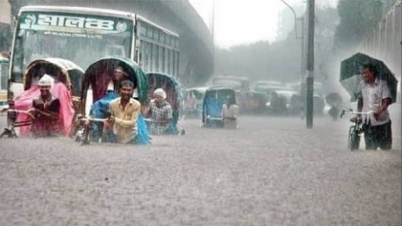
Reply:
x=213, y=37
x=310, y=65
x=303, y=87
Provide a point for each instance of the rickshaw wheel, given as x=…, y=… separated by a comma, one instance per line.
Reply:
x=8, y=133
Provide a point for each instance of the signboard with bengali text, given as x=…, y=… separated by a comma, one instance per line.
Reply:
x=62, y=24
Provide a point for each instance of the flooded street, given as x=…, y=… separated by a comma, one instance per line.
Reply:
x=272, y=171
x=266, y=71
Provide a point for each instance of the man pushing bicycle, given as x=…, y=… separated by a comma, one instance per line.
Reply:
x=374, y=95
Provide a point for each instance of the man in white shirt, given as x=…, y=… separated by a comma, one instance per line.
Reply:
x=375, y=96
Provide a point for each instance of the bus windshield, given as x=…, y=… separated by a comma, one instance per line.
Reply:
x=82, y=39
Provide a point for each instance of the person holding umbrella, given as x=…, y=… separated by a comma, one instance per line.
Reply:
x=374, y=95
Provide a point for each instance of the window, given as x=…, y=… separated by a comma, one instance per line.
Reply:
x=174, y=63
x=156, y=35
x=156, y=56
x=168, y=61
x=177, y=65
x=150, y=32
x=153, y=57
x=176, y=44
x=168, y=40
x=161, y=58
x=162, y=37
x=143, y=56
x=148, y=60
x=172, y=41
x=143, y=30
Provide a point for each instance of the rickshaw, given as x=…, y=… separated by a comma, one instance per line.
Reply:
x=95, y=98
x=212, y=106
x=67, y=76
x=196, y=110
x=241, y=85
x=174, y=95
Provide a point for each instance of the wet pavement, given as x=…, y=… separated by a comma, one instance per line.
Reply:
x=272, y=171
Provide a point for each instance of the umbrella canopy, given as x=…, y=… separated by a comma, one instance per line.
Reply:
x=100, y=73
x=172, y=88
x=351, y=74
x=64, y=70
x=168, y=83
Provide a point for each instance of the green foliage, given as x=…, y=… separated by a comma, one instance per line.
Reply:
x=358, y=19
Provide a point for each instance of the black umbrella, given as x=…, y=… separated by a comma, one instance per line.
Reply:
x=351, y=74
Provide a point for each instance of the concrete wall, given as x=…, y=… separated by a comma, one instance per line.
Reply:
x=384, y=43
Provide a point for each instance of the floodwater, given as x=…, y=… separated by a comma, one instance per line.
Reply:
x=271, y=171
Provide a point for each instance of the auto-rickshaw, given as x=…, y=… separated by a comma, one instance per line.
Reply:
x=173, y=91
x=95, y=97
x=213, y=102
x=193, y=110
x=67, y=79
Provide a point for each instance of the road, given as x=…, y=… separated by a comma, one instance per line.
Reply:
x=272, y=171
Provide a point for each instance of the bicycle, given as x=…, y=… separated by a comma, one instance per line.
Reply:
x=356, y=129
x=9, y=131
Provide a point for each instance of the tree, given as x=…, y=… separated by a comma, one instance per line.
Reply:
x=358, y=19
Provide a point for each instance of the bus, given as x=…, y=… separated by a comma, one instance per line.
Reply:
x=84, y=35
